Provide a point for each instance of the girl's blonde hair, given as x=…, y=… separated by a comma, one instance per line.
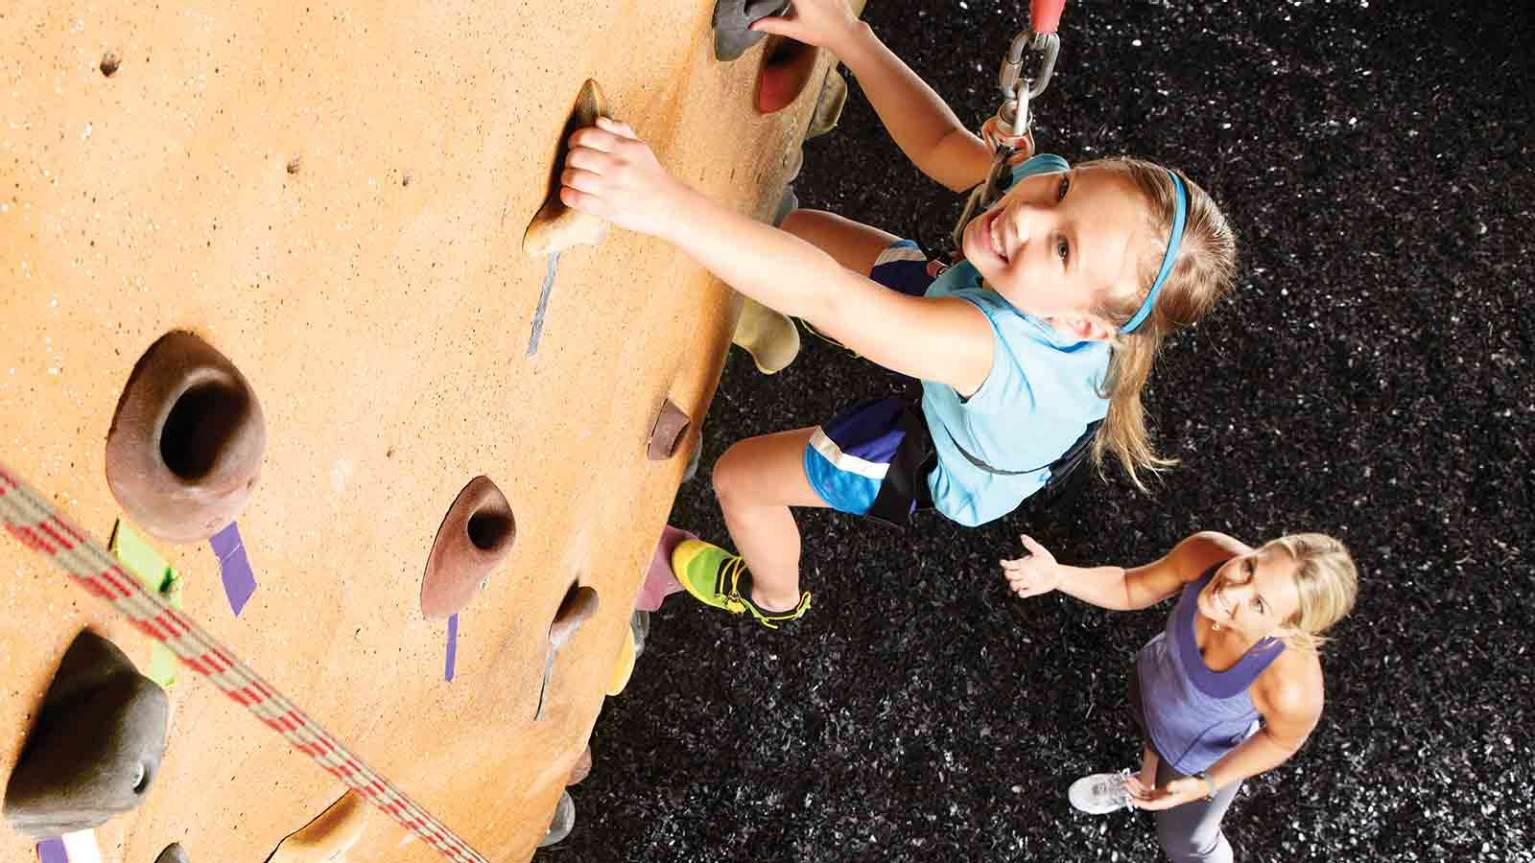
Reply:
x=1328, y=583
x=1201, y=275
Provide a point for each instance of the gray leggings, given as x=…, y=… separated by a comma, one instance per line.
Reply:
x=1191, y=833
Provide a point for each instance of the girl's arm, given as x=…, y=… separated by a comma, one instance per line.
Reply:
x=612, y=174
x=1115, y=587
x=918, y=119
x=1289, y=697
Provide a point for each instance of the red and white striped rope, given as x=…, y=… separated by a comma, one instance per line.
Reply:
x=30, y=518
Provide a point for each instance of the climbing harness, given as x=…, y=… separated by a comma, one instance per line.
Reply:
x=1011, y=125
x=31, y=518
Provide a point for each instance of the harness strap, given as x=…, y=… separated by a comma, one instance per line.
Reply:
x=905, y=482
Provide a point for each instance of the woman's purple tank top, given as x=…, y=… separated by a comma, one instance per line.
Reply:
x=1195, y=715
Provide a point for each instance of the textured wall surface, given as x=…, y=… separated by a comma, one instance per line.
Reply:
x=334, y=195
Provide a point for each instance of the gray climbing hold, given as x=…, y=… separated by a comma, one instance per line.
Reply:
x=173, y=853
x=563, y=822
x=732, y=25
x=95, y=748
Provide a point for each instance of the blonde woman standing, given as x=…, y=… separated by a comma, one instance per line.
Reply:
x=1230, y=689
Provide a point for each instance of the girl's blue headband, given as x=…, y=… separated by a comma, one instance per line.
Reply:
x=1174, y=239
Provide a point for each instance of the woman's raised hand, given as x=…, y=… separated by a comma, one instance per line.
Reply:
x=825, y=24
x=1033, y=574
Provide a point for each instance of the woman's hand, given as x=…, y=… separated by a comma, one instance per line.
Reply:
x=828, y=24
x=1034, y=574
x=610, y=173
x=1183, y=790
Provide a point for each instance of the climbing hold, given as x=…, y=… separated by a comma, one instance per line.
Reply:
x=556, y=227
x=96, y=745
x=327, y=837
x=562, y=823
x=828, y=105
x=580, y=602
x=695, y=453
x=666, y=435
x=173, y=853
x=639, y=625
x=770, y=337
x=582, y=767
x=109, y=63
x=732, y=25
x=660, y=582
x=786, y=69
x=623, y=666
x=186, y=441
x=474, y=537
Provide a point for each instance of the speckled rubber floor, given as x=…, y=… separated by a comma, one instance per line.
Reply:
x=1371, y=377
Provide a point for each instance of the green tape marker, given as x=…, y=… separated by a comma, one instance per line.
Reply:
x=146, y=564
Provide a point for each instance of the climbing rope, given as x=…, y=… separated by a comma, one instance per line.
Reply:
x=30, y=518
x=1008, y=130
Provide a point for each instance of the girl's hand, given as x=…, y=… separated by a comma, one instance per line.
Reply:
x=828, y=24
x=1035, y=574
x=610, y=173
x=1175, y=793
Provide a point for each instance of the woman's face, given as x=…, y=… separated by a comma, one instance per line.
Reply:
x=1056, y=244
x=1253, y=594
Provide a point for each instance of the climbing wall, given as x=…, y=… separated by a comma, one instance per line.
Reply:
x=332, y=197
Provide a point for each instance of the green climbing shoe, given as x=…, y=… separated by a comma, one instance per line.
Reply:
x=715, y=577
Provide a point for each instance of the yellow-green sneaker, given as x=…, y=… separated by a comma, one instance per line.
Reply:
x=719, y=579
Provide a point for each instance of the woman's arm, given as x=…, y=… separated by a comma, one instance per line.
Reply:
x=1115, y=587
x=612, y=174
x=918, y=119
x=1289, y=697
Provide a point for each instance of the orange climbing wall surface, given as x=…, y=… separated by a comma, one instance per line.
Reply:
x=379, y=303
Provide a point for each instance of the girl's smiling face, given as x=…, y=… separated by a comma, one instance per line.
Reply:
x=1057, y=245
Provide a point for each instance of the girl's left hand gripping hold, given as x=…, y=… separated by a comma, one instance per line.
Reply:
x=610, y=173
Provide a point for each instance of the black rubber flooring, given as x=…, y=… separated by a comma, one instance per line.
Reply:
x=1371, y=377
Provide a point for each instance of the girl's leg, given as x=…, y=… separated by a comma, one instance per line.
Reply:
x=854, y=245
x=756, y=481
x=1191, y=833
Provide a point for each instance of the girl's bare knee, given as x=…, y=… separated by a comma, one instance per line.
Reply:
x=728, y=474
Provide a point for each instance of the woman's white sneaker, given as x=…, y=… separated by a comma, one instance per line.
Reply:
x=1100, y=793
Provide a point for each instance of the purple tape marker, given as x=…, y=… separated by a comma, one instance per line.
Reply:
x=234, y=567
x=447, y=671
x=51, y=850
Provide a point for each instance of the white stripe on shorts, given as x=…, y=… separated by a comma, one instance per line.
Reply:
x=899, y=253
x=844, y=462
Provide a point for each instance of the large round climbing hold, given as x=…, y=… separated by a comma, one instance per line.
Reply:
x=186, y=441
x=786, y=68
x=473, y=539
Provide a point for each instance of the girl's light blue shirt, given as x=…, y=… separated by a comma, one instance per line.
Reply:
x=1040, y=396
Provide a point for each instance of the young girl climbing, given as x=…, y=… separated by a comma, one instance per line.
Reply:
x=1040, y=339
x=1230, y=689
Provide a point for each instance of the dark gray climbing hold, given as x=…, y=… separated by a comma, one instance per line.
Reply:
x=732, y=25
x=563, y=822
x=95, y=747
x=173, y=853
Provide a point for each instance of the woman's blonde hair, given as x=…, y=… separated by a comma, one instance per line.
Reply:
x=1328, y=583
x=1201, y=275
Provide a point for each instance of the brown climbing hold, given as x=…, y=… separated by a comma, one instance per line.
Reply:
x=173, y=853
x=556, y=227
x=327, y=837
x=666, y=435
x=580, y=603
x=786, y=69
x=186, y=441
x=95, y=748
x=109, y=63
x=828, y=105
x=582, y=767
x=474, y=537
x=770, y=337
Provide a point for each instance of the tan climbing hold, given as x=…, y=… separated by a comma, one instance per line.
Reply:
x=623, y=667
x=327, y=838
x=667, y=434
x=556, y=227
x=770, y=337
x=829, y=105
